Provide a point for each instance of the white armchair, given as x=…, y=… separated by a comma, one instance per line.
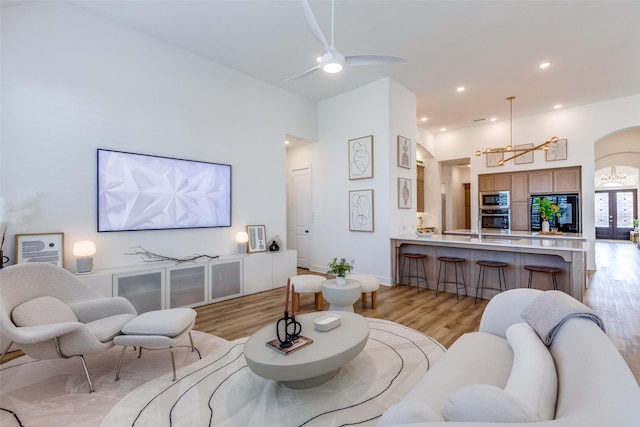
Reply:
x=49, y=313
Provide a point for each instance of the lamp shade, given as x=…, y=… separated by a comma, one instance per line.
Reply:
x=84, y=248
x=242, y=237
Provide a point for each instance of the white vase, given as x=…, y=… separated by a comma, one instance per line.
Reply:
x=545, y=226
x=340, y=280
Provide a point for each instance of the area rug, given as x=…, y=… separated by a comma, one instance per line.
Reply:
x=221, y=390
x=43, y=393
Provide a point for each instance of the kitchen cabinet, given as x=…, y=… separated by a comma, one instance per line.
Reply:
x=519, y=216
x=494, y=182
x=567, y=180
x=520, y=187
x=541, y=182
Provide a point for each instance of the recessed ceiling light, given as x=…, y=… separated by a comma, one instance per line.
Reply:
x=557, y=106
x=544, y=65
x=443, y=129
x=424, y=119
x=493, y=119
x=461, y=89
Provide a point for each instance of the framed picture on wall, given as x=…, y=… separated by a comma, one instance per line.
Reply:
x=404, y=152
x=43, y=247
x=257, y=238
x=493, y=159
x=523, y=158
x=404, y=193
x=557, y=151
x=361, y=157
x=361, y=210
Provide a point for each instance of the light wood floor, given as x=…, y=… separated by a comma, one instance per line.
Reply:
x=613, y=293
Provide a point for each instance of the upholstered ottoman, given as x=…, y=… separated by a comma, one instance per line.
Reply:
x=307, y=284
x=157, y=329
x=369, y=284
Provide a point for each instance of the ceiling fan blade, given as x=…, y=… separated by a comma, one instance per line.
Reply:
x=309, y=71
x=356, y=60
x=313, y=26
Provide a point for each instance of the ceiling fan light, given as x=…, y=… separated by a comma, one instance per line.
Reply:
x=332, y=67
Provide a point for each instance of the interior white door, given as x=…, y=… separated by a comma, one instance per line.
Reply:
x=301, y=214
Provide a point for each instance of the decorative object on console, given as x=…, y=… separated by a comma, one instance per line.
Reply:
x=44, y=247
x=404, y=152
x=495, y=156
x=361, y=210
x=148, y=256
x=361, y=157
x=274, y=247
x=242, y=238
x=257, y=238
x=84, y=250
x=340, y=268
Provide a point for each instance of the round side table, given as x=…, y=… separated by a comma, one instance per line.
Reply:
x=341, y=297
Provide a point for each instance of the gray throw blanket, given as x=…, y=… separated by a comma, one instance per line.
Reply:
x=549, y=311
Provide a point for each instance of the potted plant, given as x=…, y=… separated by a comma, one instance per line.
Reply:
x=340, y=268
x=636, y=222
x=547, y=210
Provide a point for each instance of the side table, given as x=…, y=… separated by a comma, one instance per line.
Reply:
x=341, y=297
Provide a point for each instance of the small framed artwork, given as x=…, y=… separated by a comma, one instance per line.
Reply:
x=557, y=151
x=257, y=238
x=361, y=157
x=404, y=152
x=523, y=158
x=43, y=247
x=361, y=210
x=493, y=159
x=404, y=193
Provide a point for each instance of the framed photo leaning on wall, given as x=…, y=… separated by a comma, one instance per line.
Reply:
x=257, y=238
x=43, y=247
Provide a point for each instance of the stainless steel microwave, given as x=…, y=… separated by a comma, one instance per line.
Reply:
x=495, y=200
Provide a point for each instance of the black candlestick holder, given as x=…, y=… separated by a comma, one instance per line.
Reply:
x=288, y=330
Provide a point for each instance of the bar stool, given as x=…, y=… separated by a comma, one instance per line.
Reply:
x=544, y=269
x=501, y=277
x=446, y=260
x=415, y=258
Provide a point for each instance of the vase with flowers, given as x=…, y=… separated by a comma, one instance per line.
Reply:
x=548, y=210
x=340, y=267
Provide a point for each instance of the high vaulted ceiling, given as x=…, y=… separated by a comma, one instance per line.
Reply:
x=492, y=48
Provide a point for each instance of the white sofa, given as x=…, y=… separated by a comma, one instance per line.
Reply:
x=595, y=387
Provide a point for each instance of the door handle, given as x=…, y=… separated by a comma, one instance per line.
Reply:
x=306, y=231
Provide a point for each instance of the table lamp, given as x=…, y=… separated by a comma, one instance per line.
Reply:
x=242, y=238
x=84, y=251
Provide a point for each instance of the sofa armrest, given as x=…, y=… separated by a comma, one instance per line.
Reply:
x=504, y=310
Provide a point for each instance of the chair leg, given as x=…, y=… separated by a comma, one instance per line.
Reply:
x=6, y=350
x=364, y=299
x=374, y=299
x=86, y=373
x=319, y=301
x=296, y=302
x=120, y=363
x=173, y=363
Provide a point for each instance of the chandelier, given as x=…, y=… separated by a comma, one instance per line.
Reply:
x=614, y=176
x=509, y=148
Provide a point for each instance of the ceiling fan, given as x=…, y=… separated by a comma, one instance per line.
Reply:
x=333, y=61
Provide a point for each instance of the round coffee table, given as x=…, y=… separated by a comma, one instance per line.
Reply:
x=314, y=364
x=341, y=297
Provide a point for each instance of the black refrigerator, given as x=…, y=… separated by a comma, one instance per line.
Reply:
x=569, y=221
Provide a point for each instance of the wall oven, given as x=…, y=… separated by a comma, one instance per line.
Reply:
x=495, y=200
x=495, y=218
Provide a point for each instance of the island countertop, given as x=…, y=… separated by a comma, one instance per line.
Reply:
x=490, y=232
x=567, y=254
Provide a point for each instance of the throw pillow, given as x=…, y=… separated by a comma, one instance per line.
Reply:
x=408, y=412
x=533, y=376
x=485, y=403
x=42, y=311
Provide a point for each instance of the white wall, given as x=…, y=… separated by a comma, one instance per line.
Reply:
x=73, y=82
x=582, y=126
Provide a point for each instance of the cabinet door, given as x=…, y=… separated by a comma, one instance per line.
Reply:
x=100, y=282
x=486, y=183
x=258, y=273
x=541, y=182
x=225, y=279
x=144, y=289
x=567, y=180
x=519, y=187
x=284, y=266
x=502, y=182
x=186, y=286
x=519, y=216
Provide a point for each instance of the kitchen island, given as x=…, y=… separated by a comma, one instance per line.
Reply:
x=511, y=234
x=570, y=255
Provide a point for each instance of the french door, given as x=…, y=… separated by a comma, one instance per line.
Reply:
x=615, y=210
